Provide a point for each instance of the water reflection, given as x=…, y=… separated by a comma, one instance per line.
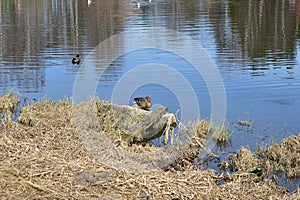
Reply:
x=262, y=34
x=255, y=44
x=248, y=35
x=36, y=35
x=245, y=38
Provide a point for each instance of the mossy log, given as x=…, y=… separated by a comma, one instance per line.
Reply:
x=152, y=125
x=136, y=124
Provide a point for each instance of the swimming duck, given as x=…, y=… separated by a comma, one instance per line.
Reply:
x=76, y=60
x=143, y=103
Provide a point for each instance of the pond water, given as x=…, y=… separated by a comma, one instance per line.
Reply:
x=254, y=45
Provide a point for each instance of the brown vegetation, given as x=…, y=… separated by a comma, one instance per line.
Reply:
x=42, y=157
x=284, y=157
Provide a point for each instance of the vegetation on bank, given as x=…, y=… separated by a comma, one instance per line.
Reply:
x=43, y=157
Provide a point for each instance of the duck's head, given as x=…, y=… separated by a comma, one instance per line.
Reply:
x=148, y=99
x=148, y=102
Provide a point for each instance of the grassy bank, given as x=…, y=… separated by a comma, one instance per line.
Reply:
x=43, y=157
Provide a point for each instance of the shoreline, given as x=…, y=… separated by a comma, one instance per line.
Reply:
x=43, y=157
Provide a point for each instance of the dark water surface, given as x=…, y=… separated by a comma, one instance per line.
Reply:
x=254, y=44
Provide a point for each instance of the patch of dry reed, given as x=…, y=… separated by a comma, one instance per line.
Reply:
x=43, y=158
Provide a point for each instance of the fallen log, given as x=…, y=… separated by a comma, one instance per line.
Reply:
x=152, y=125
x=136, y=124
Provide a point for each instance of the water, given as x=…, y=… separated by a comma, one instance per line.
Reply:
x=254, y=44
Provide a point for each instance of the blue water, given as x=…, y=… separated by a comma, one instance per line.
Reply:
x=255, y=47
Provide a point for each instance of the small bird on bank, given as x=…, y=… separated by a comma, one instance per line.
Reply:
x=76, y=60
x=143, y=103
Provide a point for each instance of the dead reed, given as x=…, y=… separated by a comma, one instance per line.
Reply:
x=42, y=157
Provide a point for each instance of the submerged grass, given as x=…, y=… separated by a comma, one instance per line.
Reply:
x=243, y=160
x=8, y=104
x=222, y=136
x=284, y=157
x=272, y=159
x=43, y=158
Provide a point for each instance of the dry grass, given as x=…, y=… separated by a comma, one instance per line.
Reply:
x=43, y=158
x=222, y=136
x=284, y=157
x=56, y=114
x=243, y=160
x=273, y=159
x=8, y=103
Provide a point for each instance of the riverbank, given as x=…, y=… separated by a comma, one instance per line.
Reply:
x=43, y=157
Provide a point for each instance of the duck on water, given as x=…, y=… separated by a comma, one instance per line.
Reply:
x=76, y=60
